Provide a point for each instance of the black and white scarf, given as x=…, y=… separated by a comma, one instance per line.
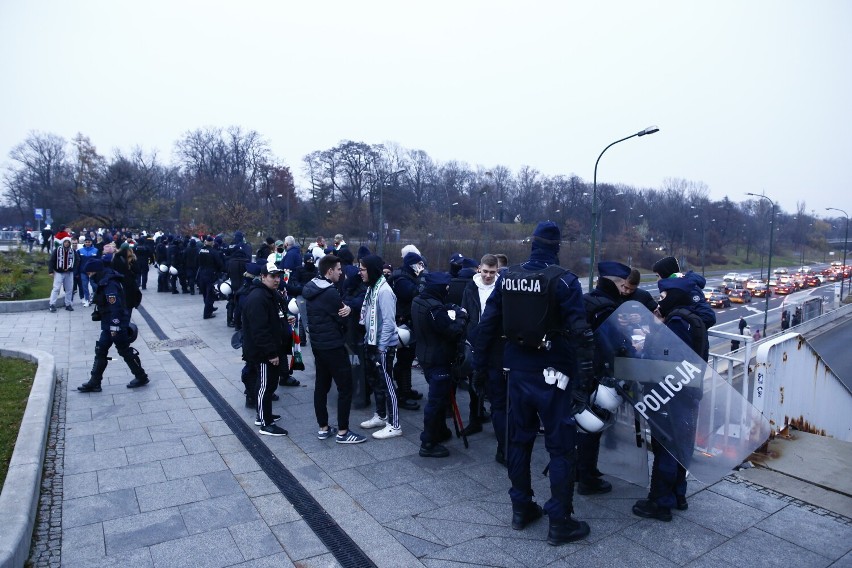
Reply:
x=64, y=259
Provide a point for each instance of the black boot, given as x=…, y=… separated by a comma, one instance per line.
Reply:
x=525, y=513
x=594, y=486
x=649, y=510
x=433, y=450
x=140, y=378
x=98, y=368
x=91, y=386
x=563, y=531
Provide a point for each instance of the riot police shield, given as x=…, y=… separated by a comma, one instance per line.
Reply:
x=705, y=423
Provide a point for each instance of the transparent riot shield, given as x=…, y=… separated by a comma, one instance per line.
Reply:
x=693, y=412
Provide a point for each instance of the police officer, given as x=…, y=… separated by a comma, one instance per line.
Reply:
x=190, y=259
x=209, y=267
x=437, y=336
x=538, y=306
x=161, y=256
x=144, y=253
x=111, y=311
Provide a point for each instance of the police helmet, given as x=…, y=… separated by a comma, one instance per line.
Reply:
x=132, y=332
x=163, y=268
x=404, y=334
x=607, y=398
x=592, y=418
x=173, y=271
x=293, y=307
x=225, y=288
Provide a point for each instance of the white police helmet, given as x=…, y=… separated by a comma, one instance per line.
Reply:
x=225, y=288
x=593, y=418
x=607, y=398
x=173, y=271
x=293, y=307
x=404, y=334
x=163, y=268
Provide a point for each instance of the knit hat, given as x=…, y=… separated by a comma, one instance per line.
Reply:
x=437, y=279
x=407, y=249
x=547, y=237
x=94, y=265
x=613, y=269
x=362, y=252
x=411, y=258
x=678, y=293
x=253, y=268
x=209, y=238
x=469, y=263
x=667, y=266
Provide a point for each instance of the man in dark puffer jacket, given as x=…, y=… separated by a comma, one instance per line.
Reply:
x=326, y=317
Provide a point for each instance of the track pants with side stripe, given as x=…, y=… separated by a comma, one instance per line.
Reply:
x=379, y=371
x=267, y=382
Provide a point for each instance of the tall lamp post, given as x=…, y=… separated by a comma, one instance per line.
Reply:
x=595, y=212
x=845, y=246
x=769, y=260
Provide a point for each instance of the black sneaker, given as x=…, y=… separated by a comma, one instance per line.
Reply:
x=524, y=514
x=89, y=387
x=325, y=434
x=350, y=437
x=273, y=430
x=138, y=383
x=499, y=457
x=594, y=486
x=275, y=418
x=415, y=395
x=565, y=531
x=472, y=428
x=69, y=308
x=682, y=505
x=52, y=308
x=433, y=450
x=650, y=510
x=275, y=397
x=408, y=405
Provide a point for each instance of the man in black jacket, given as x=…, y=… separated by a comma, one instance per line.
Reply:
x=209, y=267
x=327, y=316
x=437, y=337
x=190, y=259
x=266, y=340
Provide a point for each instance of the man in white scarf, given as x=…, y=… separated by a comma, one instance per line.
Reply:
x=64, y=260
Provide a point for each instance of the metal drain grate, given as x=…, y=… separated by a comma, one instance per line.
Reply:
x=191, y=340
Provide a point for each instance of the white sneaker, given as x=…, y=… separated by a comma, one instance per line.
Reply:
x=375, y=422
x=85, y=303
x=387, y=432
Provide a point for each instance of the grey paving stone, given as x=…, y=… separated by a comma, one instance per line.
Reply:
x=207, y=415
x=139, y=395
x=533, y=552
x=80, y=444
x=190, y=392
x=175, y=431
x=311, y=476
x=352, y=481
x=144, y=420
x=256, y=483
x=181, y=416
x=394, y=503
x=99, y=426
x=417, y=546
x=281, y=560
x=227, y=444
x=754, y=547
x=275, y=509
x=680, y=541
x=167, y=392
x=97, y=508
x=479, y=551
x=449, y=487
x=196, y=403
x=388, y=474
x=198, y=444
x=83, y=542
x=129, y=476
x=453, y=532
x=171, y=493
x=217, y=427
x=214, y=549
x=255, y=540
x=159, y=405
x=615, y=551
x=122, y=439
x=298, y=540
x=464, y=511
x=218, y=512
x=155, y=451
x=336, y=501
x=82, y=415
x=819, y=534
x=220, y=483
x=92, y=461
x=332, y=460
x=187, y=466
x=144, y=529
x=720, y=514
x=116, y=411
x=741, y=493
x=79, y=485
x=240, y=462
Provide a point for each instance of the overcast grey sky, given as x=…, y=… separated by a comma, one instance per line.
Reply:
x=748, y=95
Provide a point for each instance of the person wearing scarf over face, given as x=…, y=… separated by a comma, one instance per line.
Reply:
x=378, y=316
x=63, y=261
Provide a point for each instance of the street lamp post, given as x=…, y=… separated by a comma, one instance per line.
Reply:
x=845, y=246
x=595, y=212
x=769, y=260
x=703, y=234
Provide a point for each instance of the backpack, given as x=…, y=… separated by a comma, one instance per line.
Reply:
x=697, y=330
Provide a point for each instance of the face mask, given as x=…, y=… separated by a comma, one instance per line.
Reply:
x=418, y=268
x=281, y=250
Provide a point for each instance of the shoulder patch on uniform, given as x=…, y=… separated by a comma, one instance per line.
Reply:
x=111, y=298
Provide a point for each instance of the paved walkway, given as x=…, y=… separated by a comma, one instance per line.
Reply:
x=169, y=475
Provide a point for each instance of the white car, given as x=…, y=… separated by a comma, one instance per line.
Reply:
x=730, y=277
x=744, y=277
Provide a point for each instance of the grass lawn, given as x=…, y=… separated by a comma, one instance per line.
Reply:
x=42, y=284
x=16, y=379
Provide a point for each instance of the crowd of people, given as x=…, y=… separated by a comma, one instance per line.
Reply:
x=520, y=337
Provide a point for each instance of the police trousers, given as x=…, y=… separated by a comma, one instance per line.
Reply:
x=434, y=421
x=532, y=400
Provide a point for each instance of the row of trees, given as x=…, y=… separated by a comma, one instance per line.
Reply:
x=223, y=179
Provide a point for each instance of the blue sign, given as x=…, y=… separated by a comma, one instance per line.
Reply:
x=39, y=213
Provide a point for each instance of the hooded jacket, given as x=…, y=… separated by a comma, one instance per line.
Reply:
x=378, y=312
x=266, y=333
x=436, y=334
x=323, y=302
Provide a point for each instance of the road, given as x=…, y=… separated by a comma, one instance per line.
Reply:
x=834, y=349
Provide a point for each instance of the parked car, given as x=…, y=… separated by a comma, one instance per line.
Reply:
x=719, y=301
x=761, y=291
x=785, y=289
x=740, y=296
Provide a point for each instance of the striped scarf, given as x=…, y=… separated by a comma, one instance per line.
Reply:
x=64, y=259
x=371, y=321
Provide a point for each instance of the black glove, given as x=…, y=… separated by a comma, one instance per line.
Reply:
x=96, y=315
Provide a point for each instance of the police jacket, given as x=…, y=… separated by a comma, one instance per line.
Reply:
x=645, y=298
x=458, y=284
x=209, y=263
x=144, y=253
x=161, y=252
x=601, y=302
x=190, y=257
x=323, y=302
x=266, y=333
x=175, y=255
x=110, y=301
x=566, y=303
x=404, y=284
x=436, y=334
x=236, y=269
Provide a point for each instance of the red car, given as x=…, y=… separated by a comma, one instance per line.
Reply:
x=785, y=289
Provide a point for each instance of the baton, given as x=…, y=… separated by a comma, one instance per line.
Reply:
x=458, y=420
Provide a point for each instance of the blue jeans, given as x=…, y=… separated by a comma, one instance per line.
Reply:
x=84, y=278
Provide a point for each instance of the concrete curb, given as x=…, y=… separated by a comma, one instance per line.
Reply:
x=20, y=493
x=17, y=306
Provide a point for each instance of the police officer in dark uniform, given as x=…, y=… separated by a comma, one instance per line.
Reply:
x=161, y=256
x=538, y=306
x=114, y=316
x=190, y=260
x=209, y=267
x=436, y=337
x=144, y=253
x=175, y=251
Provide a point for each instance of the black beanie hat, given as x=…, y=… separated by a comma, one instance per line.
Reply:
x=665, y=267
x=547, y=237
x=373, y=263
